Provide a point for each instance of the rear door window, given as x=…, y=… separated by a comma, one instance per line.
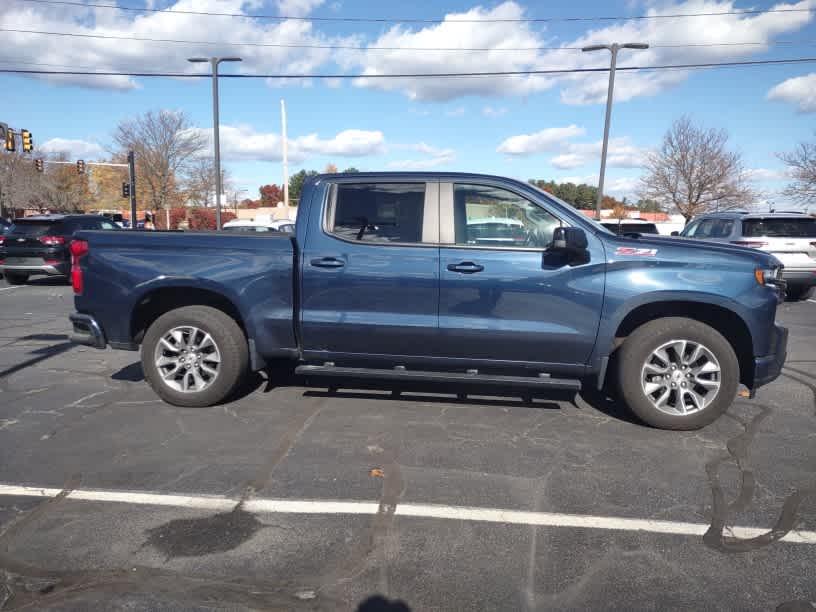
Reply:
x=779, y=228
x=379, y=212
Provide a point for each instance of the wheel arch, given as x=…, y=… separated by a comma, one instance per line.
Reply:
x=725, y=320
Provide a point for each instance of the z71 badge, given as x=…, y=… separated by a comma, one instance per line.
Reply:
x=633, y=252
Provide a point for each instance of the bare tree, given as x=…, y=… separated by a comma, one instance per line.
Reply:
x=199, y=181
x=801, y=164
x=61, y=188
x=694, y=172
x=164, y=142
x=19, y=181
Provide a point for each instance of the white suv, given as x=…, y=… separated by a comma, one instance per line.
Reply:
x=789, y=236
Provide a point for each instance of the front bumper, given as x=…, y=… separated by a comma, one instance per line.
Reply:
x=49, y=269
x=769, y=367
x=87, y=331
x=799, y=277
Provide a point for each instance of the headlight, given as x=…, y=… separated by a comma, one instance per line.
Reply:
x=768, y=276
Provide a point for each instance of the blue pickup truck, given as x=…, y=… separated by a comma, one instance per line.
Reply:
x=459, y=278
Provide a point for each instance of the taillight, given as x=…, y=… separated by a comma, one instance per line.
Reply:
x=78, y=249
x=751, y=244
x=52, y=240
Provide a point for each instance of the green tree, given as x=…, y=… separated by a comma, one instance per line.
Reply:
x=296, y=182
x=350, y=170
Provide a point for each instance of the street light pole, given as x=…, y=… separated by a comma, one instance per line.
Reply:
x=214, y=62
x=613, y=50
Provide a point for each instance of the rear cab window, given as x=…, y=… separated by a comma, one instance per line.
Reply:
x=378, y=212
x=779, y=227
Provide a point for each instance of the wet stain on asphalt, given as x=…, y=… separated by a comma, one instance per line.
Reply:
x=204, y=536
x=738, y=448
x=802, y=374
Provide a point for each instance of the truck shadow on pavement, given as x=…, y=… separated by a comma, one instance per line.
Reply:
x=283, y=376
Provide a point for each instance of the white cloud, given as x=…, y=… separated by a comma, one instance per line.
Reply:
x=73, y=148
x=242, y=142
x=800, y=91
x=128, y=54
x=620, y=154
x=436, y=157
x=493, y=35
x=575, y=88
x=767, y=174
x=489, y=111
x=566, y=161
x=723, y=29
x=549, y=139
x=298, y=8
x=459, y=111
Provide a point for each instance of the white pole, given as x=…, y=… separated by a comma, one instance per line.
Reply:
x=285, y=156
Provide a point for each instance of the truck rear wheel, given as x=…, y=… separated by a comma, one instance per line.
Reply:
x=677, y=373
x=194, y=356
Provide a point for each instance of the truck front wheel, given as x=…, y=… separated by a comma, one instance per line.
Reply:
x=677, y=373
x=194, y=356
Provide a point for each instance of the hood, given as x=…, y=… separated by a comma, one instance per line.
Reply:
x=676, y=244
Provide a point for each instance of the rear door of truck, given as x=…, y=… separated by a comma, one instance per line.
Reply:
x=370, y=271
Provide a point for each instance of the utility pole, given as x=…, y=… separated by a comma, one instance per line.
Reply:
x=214, y=62
x=613, y=49
x=131, y=158
x=285, y=145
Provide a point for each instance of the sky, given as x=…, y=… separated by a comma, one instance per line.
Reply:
x=524, y=126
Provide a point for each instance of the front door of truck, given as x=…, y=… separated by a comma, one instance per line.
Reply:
x=370, y=272
x=504, y=296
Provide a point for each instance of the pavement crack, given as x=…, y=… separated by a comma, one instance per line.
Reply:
x=738, y=448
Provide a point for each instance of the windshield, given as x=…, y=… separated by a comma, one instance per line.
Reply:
x=779, y=227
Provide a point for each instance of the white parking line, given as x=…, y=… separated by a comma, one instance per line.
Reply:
x=813, y=301
x=9, y=288
x=408, y=510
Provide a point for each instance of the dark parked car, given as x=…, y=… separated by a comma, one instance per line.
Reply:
x=399, y=277
x=630, y=226
x=39, y=244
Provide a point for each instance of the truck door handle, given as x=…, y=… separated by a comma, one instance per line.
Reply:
x=327, y=262
x=465, y=267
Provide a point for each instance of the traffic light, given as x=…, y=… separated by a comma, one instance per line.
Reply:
x=125, y=190
x=10, y=140
x=28, y=142
x=38, y=165
x=80, y=166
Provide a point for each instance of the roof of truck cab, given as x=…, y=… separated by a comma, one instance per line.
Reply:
x=459, y=176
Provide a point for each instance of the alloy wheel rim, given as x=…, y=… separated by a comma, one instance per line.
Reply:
x=681, y=377
x=188, y=359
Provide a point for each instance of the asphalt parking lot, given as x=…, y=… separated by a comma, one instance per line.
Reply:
x=295, y=498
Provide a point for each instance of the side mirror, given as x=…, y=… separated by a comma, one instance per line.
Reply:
x=570, y=239
x=675, y=233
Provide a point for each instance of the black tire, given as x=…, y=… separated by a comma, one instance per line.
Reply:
x=231, y=343
x=647, y=338
x=798, y=292
x=16, y=278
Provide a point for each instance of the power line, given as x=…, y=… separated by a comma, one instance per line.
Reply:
x=670, y=45
x=416, y=20
x=789, y=61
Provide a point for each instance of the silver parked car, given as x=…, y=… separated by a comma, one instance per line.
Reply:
x=789, y=236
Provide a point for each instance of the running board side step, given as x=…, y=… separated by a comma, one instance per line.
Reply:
x=538, y=382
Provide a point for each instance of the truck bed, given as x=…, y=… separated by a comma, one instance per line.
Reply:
x=125, y=271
